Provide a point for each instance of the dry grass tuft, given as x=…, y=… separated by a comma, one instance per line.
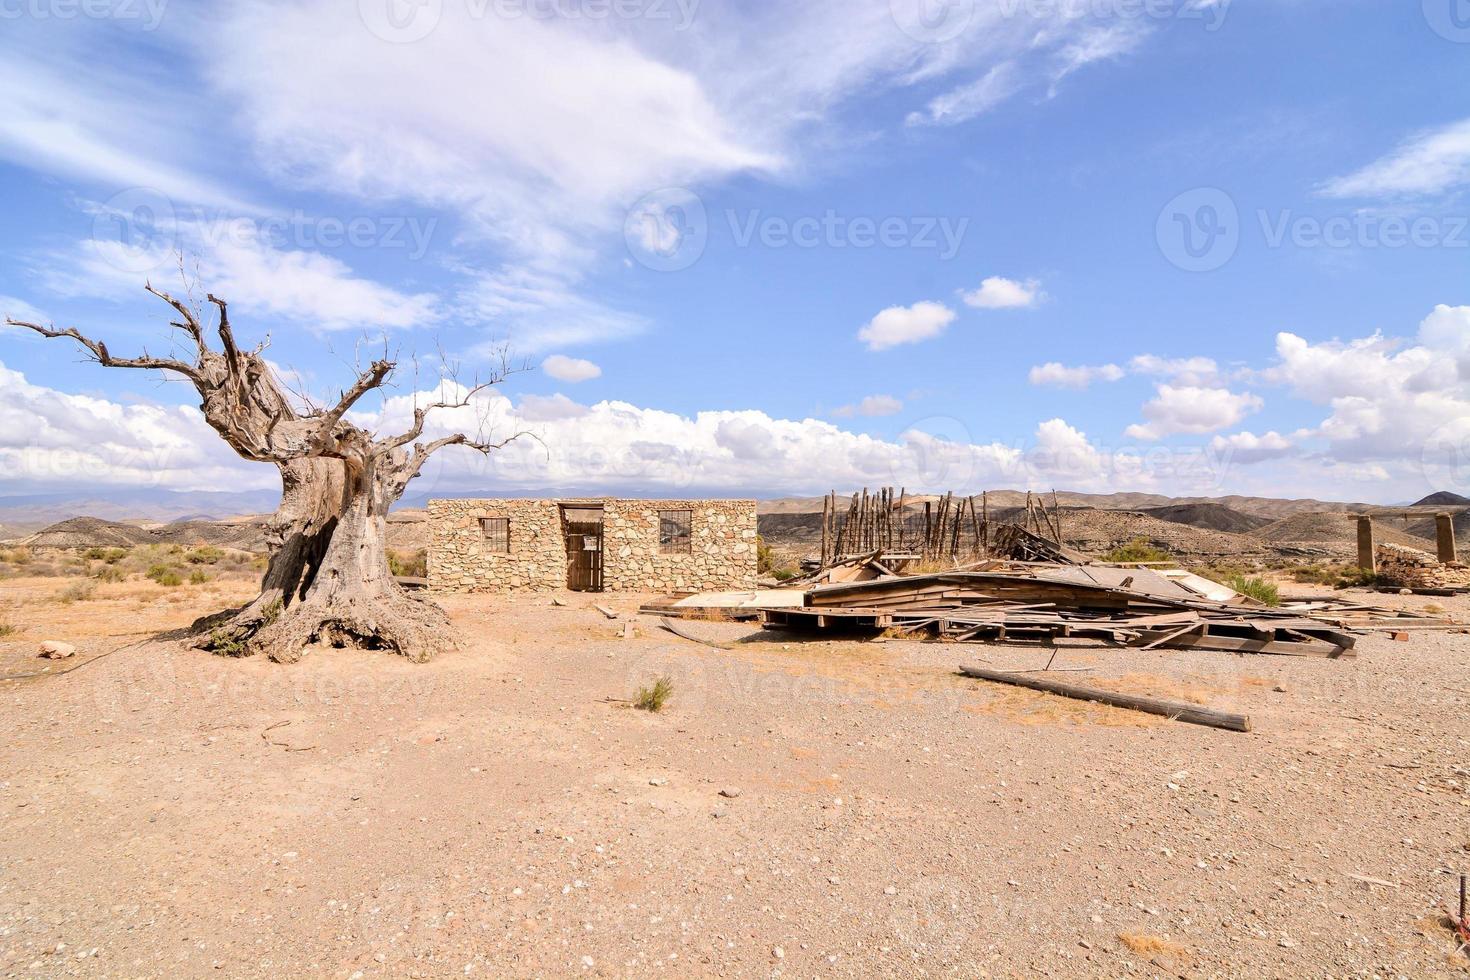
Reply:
x=655, y=696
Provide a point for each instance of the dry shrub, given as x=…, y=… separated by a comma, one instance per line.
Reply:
x=7, y=628
x=76, y=592
x=1147, y=945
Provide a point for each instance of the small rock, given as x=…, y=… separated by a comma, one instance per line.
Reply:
x=779, y=953
x=890, y=890
x=719, y=812
x=1279, y=688
x=56, y=650
x=730, y=792
x=658, y=781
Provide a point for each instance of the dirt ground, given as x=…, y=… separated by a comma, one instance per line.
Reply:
x=502, y=811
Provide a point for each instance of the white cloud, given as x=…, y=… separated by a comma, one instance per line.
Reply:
x=1096, y=44
x=906, y=325
x=999, y=293
x=1188, y=409
x=1431, y=162
x=572, y=370
x=553, y=408
x=970, y=100
x=1389, y=399
x=54, y=441
x=1247, y=447
x=1196, y=371
x=235, y=262
x=873, y=406
x=19, y=309
x=1056, y=375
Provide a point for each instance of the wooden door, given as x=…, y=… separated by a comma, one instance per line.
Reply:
x=584, y=556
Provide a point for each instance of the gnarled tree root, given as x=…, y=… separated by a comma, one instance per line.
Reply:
x=388, y=620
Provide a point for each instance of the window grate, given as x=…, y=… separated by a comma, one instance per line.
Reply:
x=674, y=531
x=497, y=534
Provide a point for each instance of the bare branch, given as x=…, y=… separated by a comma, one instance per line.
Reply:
x=421, y=413
x=101, y=355
x=372, y=378
x=190, y=325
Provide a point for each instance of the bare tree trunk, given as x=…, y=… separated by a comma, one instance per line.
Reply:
x=328, y=579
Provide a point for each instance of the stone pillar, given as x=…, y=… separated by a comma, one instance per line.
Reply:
x=1444, y=533
x=1366, y=560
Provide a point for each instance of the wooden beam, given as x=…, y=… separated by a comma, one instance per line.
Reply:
x=1176, y=710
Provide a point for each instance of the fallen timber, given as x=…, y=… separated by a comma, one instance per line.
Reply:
x=1041, y=603
x=1177, y=710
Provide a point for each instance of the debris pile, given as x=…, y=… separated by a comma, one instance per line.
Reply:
x=1020, y=602
x=1410, y=568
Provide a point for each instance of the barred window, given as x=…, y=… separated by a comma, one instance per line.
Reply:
x=497, y=534
x=674, y=531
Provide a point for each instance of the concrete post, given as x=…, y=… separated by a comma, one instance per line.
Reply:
x=1367, y=561
x=1444, y=534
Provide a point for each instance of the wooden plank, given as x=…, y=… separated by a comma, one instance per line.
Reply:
x=1176, y=710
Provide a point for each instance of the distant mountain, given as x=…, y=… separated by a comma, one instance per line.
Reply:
x=34, y=511
x=1443, y=499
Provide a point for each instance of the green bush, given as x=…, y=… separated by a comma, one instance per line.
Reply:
x=1338, y=576
x=205, y=555
x=228, y=644
x=1256, y=588
x=1137, y=550
x=198, y=577
x=410, y=564
x=655, y=696
x=165, y=575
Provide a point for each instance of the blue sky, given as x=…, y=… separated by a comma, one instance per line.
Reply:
x=1181, y=246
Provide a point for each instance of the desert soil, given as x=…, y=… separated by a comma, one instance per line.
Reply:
x=500, y=812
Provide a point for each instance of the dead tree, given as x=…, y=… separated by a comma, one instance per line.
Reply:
x=328, y=579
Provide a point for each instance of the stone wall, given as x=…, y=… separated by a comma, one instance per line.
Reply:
x=460, y=559
x=722, y=552
x=1410, y=568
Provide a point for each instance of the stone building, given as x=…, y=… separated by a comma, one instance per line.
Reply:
x=591, y=545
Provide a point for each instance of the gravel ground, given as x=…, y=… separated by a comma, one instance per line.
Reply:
x=501, y=812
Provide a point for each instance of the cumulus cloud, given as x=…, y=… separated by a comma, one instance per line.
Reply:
x=1199, y=371
x=873, y=406
x=1247, y=447
x=572, y=370
x=1389, y=399
x=906, y=325
x=54, y=441
x=1431, y=162
x=552, y=408
x=1056, y=375
x=1000, y=293
x=1179, y=409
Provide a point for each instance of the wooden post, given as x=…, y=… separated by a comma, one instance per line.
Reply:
x=826, y=527
x=985, y=519
x=1367, y=561
x=1444, y=533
